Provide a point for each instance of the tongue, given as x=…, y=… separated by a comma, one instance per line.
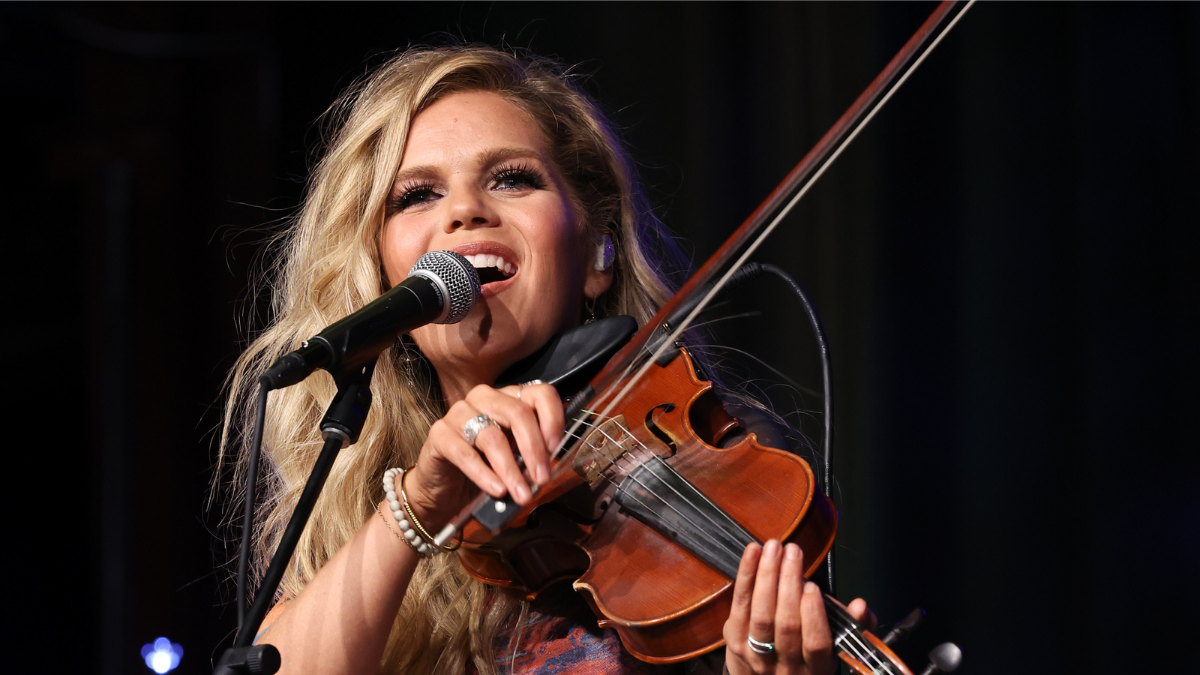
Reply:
x=489, y=274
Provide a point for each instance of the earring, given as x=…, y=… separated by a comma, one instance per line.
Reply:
x=590, y=306
x=605, y=254
x=410, y=358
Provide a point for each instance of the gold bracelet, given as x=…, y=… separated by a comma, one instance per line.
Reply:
x=417, y=524
x=398, y=535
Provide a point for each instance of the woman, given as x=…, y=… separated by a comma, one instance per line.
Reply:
x=503, y=160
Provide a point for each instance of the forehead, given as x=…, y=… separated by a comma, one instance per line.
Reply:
x=461, y=126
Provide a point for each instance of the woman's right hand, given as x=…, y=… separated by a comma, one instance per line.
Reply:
x=449, y=469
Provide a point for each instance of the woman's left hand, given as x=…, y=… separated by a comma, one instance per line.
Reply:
x=772, y=603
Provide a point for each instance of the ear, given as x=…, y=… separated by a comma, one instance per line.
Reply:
x=600, y=268
x=597, y=282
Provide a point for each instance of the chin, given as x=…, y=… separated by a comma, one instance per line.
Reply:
x=485, y=342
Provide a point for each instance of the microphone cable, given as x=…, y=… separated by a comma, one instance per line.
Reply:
x=818, y=329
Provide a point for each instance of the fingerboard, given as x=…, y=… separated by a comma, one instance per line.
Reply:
x=848, y=637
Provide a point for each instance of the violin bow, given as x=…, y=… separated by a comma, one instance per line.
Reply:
x=632, y=362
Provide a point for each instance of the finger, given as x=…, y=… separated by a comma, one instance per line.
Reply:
x=738, y=624
x=494, y=445
x=549, y=407
x=766, y=585
x=863, y=614
x=451, y=446
x=548, y=410
x=817, y=640
x=788, y=635
x=520, y=419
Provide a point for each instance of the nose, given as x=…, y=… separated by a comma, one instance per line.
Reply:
x=469, y=208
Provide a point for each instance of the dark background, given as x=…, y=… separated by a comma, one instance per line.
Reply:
x=1006, y=262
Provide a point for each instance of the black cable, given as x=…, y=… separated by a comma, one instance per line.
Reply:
x=248, y=518
x=827, y=376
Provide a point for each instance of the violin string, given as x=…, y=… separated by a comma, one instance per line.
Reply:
x=716, y=523
x=720, y=526
x=644, y=486
x=851, y=641
x=630, y=475
x=862, y=653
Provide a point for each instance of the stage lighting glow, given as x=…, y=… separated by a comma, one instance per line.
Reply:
x=162, y=655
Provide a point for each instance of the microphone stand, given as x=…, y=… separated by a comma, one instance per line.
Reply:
x=340, y=427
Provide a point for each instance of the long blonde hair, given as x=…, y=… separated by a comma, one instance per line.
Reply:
x=332, y=266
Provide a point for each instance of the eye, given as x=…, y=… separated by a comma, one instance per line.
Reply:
x=413, y=195
x=517, y=178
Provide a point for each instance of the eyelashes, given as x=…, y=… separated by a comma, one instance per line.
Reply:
x=505, y=178
x=518, y=176
x=410, y=194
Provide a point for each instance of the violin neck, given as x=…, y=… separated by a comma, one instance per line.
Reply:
x=863, y=651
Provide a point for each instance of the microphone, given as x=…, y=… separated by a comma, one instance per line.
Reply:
x=441, y=288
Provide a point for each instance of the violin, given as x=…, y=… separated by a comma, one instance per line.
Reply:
x=656, y=471
x=662, y=470
x=657, y=489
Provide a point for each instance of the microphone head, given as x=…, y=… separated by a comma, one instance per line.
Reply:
x=455, y=277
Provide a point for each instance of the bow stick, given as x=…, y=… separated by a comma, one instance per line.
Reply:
x=603, y=388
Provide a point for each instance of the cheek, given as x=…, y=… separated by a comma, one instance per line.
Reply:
x=562, y=237
x=401, y=244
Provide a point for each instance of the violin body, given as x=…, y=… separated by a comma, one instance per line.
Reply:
x=652, y=559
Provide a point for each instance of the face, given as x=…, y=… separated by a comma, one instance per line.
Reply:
x=477, y=178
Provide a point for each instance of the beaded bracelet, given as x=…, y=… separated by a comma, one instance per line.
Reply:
x=418, y=543
x=398, y=535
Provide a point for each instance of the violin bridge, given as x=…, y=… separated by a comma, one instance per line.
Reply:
x=601, y=449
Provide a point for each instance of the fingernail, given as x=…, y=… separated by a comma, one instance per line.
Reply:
x=772, y=547
x=792, y=552
x=523, y=493
x=810, y=587
x=498, y=489
x=543, y=473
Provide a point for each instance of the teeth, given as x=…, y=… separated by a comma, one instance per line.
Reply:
x=487, y=260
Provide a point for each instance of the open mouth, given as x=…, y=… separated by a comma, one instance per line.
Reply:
x=491, y=268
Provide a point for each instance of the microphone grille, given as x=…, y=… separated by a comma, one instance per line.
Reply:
x=457, y=279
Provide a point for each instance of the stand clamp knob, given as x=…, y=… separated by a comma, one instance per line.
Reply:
x=253, y=660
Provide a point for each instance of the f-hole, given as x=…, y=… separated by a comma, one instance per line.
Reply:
x=653, y=426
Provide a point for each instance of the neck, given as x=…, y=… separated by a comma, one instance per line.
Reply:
x=458, y=379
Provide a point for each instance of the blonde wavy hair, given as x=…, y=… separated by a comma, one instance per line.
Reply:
x=332, y=266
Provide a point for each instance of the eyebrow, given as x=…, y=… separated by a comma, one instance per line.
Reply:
x=486, y=158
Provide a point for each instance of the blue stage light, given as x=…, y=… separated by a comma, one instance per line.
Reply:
x=162, y=655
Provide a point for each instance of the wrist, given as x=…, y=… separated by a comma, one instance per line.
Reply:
x=411, y=530
x=422, y=501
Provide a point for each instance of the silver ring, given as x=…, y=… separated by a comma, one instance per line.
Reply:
x=475, y=425
x=759, y=647
x=526, y=384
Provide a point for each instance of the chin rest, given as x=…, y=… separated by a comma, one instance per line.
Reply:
x=573, y=357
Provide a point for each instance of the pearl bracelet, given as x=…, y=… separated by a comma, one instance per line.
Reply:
x=417, y=542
